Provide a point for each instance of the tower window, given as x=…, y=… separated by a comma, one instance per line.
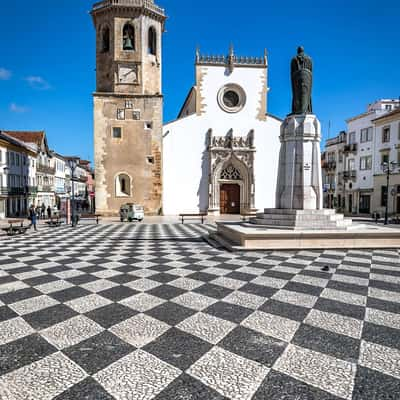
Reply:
x=117, y=133
x=105, y=40
x=123, y=185
x=120, y=114
x=152, y=41
x=128, y=37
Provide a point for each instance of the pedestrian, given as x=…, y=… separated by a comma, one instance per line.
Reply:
x=32, y=217
x=43, y=211
x=49, y=212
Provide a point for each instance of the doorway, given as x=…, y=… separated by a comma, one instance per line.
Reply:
x=230, y=199
x=365, y=204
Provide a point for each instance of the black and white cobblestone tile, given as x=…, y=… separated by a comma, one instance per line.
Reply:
x=152, y=312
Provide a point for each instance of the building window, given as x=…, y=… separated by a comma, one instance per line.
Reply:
x=388, y=107
x=152, y=41
x=385, y=158
x=117, y=133
x=351, y=164
x=150, y=159
x=148, y=125
x=352, y=137
x=128, y=37
x=386, y=134
x=366, y=163
x=121, y=114
x=105, y=40
x=128, y=104
x=122, y=185
x=136, y=115
x=366, y=135
x=340, y=156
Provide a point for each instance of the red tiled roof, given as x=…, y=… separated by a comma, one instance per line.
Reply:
x=27, y=136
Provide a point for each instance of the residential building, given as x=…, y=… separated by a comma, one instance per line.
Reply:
x=45, y=171
x=17, y=176
x=58, y=162
x=333, y=167
x=361, y=151
x=387, y=150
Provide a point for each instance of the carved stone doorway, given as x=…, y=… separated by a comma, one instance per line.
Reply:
x=230, y=198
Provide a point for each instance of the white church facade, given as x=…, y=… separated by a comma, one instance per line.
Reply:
x=221, y=155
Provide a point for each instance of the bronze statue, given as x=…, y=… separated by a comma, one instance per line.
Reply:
x=301, y=73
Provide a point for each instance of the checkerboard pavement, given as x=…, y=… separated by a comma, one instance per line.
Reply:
x=153, y=312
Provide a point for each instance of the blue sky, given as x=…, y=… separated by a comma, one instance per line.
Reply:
x=47, y=58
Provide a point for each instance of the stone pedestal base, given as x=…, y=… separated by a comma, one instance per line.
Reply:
x=302, y=219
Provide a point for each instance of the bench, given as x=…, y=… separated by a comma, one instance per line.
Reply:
x=193, y=216
x=54, y=222
x=95, y=217
x=13, y=230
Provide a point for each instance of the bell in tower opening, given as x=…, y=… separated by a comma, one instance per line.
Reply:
x=128, y=37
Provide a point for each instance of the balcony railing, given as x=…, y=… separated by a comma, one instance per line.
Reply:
x=350, y=148
x=45, y=169
x=18, y=191
x=329, y=165
x=45, y=188
x=350, y=175
x=148, y=4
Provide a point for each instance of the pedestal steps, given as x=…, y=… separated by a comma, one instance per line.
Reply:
x=302, y=219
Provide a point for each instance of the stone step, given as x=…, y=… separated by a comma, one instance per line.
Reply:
x=284, y=211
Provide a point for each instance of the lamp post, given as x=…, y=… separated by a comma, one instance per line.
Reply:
x=72, y=164
x=388, y=168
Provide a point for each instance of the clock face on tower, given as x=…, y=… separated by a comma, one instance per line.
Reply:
x=127, y=74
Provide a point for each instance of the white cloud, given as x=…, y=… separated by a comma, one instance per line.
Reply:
x=18, y=109
x=5, y=74
x=37, y=82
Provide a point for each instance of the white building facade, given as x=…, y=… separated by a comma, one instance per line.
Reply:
x=17, y=176
x=221, y=155
x=387, y=151
x=352, y=186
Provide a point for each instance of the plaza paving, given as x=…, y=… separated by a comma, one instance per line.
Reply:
x=153, y=312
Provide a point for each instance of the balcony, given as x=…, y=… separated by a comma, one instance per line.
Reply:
x=347, y=175
x=329, y=165
x=18, y=191
x=350, y=148
x=147, y=4
x=45, y=188
x=45, y=169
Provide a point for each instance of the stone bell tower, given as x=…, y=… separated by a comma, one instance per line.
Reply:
x=128, y=104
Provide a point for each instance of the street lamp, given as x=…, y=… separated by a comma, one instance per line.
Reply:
x=388, y=168
x=72, y=164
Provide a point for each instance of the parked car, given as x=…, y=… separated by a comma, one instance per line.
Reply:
x=131, y=212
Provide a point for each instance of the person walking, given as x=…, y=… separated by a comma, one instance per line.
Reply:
x=32, y=217
x=43, y=211
x=49, y=212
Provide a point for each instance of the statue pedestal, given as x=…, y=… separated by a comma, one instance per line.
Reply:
x=299, y=195
x=299, y=185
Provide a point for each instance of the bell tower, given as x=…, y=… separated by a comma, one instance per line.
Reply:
x=128, y=104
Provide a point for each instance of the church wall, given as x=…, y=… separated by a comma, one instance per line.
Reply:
x=252, y=80
x=186, y=169
x=185, y=166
